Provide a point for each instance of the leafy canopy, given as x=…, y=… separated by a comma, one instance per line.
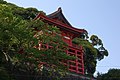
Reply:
x=112, y=74
x=93, y=51
x=17, y=41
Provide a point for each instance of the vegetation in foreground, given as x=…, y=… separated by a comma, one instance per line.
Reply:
x=16, y=46
x=112, y=74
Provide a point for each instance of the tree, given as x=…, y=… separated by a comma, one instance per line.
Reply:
x=14, y=35
x=24, y=13
x=17, y=43
x=112, y=74
x=18, y=47
x=91, y=54
x=2, y=2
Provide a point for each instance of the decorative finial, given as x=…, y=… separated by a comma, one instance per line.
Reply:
x=59, y=9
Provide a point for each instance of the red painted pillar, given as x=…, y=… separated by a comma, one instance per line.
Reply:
x=82, y=52
x=76, y=61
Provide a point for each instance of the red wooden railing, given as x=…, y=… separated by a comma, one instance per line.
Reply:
x=77, y=65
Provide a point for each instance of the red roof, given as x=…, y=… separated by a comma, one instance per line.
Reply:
x=57, y=18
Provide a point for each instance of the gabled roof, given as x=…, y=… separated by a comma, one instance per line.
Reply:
x=57, y=18
x=58, y=15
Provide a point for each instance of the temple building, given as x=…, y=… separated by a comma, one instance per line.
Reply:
x=68, y=33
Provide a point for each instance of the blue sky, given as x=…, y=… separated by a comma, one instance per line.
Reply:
x=100, y=17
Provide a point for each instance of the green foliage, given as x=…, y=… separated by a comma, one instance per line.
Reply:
x=112, y=74
x=15, y=35
x=92, y=54
x=17, y=39
x=24, y=13
x=49, y=35
x=17, y=42
x=28, y=13
x=3, y=74
x=2, y=2
x=85, y=44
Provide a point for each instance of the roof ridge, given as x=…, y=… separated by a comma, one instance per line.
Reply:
x=59, y=15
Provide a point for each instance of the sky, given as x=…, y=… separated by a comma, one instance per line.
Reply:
x=99, y=17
